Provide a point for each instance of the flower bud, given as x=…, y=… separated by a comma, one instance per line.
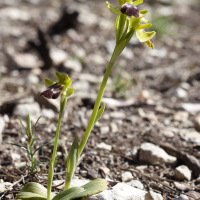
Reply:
x=53, y=91
x=130, y=10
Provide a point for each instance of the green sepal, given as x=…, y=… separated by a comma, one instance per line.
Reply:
x=48, y=82
x=100, y=112
x=137, y=2
x=33, y=190
x=69, y=92
x=64, y=79
x=115, y=10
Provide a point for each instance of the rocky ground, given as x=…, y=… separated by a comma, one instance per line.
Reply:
x=148, y=135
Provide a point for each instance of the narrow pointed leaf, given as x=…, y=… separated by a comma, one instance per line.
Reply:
x=100, y=112
x=37, y=138
x=29, y=128
x=23, y=126
x=18, y=146
x=42, y=146
x=36, y=124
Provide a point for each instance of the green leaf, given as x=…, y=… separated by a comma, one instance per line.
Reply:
x=88, y=189
x=48, y=82
x=29, y=128
x=68, y=194
x=42, y=146
x=36, y=124
x=32, y=190
x=37, y=138
x=18, y=146
x=100, y=112
x=72, y=160
x=93, y=187
x=23, y=126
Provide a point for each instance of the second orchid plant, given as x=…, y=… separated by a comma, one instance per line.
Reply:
x=129, y=20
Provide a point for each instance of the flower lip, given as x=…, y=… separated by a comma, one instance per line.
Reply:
x=130, y=10
x=53, y=91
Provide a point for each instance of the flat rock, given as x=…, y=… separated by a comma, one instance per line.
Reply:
x=105, y=146
x=136, y=184
x=23, y=110
x=154, y=155
x=72, y=64
x=182, y=173
x=191, y=107
x=122, y=191
x=181, y=116
x=190, y=136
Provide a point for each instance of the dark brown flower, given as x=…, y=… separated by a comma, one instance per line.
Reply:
x=130, y=10
x=52, y=92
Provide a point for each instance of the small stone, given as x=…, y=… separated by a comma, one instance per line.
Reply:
x=32, y=78
x=2, y=187
x=23, y=110
x=126, y=176
x=72, y=64
x=144, y=94
x=181, y=93
x=48, y=113
x=58, y=56
x=154, y=155
x=114, y=127
x=182, y=187
x=128, y=53
x=167, y=133
x=197, y=123
x=27, y=60
x=136, y=184
x=92, y=174
x=117, y=115
x=191, y=136
x=105, y=170
x=104, y=129
x=97, y=59
x=15, y=157
x=191, y=107
x=105, y=146
x=133, y=153
x=2, y=126
x=181, y=197
x=23, y=139
x=81, y=85
x=160, y=53
x=182, y=173
x=181, y=116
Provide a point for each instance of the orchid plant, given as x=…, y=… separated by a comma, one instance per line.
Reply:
x=129, y=20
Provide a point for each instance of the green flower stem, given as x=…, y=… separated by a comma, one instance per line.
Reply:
x=31, y=153
x=63, y=102
x=118, y=49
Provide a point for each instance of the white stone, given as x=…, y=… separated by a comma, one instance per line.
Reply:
x=117, y=115
x=122, y=191
x=58, y=56
x=72, y=64
x=114, y=127
x=190, y=135
x=16, y=157
x=136, y=184
x=2, y=187
x=27, y=60
x=181, y=93
x=2, y=126
x=105, y=146
x=182, y=173
x=126, y=176
x=167, y=133
x=181, y=116
x=97, y=59
x=32, y=78
x=104, y=129
x=181, y=197
x=23, y=110
x=154, y=155
x=48, y=113
x=191, y=107
x=160, y=53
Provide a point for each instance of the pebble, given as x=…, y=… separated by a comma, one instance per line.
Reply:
x=181, y=116
x=182, y=187
x=114, y=127
x=197, y=123
x=181, y=197
x=167, y=133
x=105, y=170
x=154, y=155
x=105, y=146
x=97, y=59
x=190, y=136
x=104, y=129
x=133, y=153
x=15, y=157
x=136, y=184
x=191, y=107
x=122, y=191
x=160, y=53
x=58, y=56
x=32, y=78
x=48, y=113
x=126, y=176
x=27, y=60
x=2, y=187
x=181, y=93
x=117, y=115
x=23, y=110
x=92, y=174
x=72, y=64
x=2, y=126
x=182, y=173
